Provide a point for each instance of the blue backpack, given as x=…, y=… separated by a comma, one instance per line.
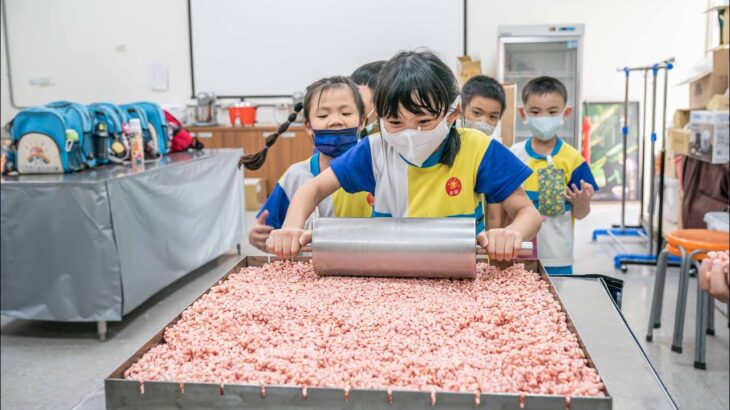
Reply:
x=156, y=120
x=110, y=124
x=120, y=112
x=53, y=139
x=87, y=121
x=150, y=140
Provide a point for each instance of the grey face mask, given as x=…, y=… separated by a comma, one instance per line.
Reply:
x=479, y=125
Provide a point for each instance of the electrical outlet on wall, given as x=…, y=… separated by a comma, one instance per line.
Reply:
x=41, y=81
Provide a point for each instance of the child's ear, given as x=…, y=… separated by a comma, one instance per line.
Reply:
x=308, y=129
x=567, y=112
x=521, y=111
x=452, y=117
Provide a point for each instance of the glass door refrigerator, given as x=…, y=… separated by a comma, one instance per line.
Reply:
x=529, y=51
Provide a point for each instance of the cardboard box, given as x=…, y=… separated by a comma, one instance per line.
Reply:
x=681, y=118
x=719, y=103
x=468, y=68
x=255, y=193
x=508, y=118
x=710, y=136
x=678, y=141
x=701, y=89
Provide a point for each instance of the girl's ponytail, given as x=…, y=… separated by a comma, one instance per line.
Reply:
x=255, y=161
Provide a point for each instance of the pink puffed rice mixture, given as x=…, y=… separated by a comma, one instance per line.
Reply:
x=283, y=324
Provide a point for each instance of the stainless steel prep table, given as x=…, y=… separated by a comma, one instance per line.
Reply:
x=616, y=353
x=94, y=245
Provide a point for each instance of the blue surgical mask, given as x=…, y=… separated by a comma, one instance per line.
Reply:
x=334, y=143
x=544, y=128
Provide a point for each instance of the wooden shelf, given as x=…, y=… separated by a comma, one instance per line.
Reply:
x=291, y=147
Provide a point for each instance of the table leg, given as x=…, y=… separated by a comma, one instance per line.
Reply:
x=101, y=330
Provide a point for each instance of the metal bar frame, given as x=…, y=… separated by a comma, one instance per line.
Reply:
x=622, y=260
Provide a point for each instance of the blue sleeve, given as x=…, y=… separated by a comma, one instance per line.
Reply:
x=500, y=173
x=354, y=168
x=583, y=172
x=277, y=204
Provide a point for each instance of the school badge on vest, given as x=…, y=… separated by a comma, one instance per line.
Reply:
x=453, y=186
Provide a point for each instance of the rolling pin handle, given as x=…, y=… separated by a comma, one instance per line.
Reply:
x=525, y=250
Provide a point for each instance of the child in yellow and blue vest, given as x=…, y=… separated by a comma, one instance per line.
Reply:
x=562, y=184
x=420, y=165
x=333, y=116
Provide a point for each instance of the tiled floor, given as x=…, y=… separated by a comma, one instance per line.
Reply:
x=54, y=366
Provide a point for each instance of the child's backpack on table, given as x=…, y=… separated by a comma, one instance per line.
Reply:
x=159, y=132
x=56, y=138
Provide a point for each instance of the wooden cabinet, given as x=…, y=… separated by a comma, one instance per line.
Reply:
x=291, y=147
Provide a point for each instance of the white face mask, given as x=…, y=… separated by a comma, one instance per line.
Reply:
x=544, y=128
x=479, y=125
x=415, y=146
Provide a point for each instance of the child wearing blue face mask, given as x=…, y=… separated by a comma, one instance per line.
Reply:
x=562, y=184
x=420, y=165
x=333, y=116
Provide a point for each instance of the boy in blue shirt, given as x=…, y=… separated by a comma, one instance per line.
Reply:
x=561, y=185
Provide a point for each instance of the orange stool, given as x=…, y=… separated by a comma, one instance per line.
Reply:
x=691, y=245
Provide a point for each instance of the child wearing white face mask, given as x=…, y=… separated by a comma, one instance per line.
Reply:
x=484, y=103
x=366, y=77
x=562, y=184
x=421, y=165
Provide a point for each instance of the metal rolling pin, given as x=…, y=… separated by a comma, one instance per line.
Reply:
x=396, y=247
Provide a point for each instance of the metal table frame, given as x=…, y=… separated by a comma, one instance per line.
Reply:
x=591, y=313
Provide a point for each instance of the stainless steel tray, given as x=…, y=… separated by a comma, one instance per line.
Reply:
x=122, y=393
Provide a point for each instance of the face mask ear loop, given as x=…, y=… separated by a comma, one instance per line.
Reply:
x=410, y=146
x=367, y=117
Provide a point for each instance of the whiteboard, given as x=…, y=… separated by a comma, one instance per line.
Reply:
x=278, y=47
x=95, y=50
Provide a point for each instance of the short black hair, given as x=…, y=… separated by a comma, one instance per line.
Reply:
x=483, y=86
x=367, y=74
x=419, y=82
x=317, y=88
x=544, y=85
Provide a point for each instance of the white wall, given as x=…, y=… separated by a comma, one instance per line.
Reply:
x=6, y=111
x=619, y=32
x=151, y=32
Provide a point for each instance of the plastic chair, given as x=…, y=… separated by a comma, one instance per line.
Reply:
x=691, y=245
